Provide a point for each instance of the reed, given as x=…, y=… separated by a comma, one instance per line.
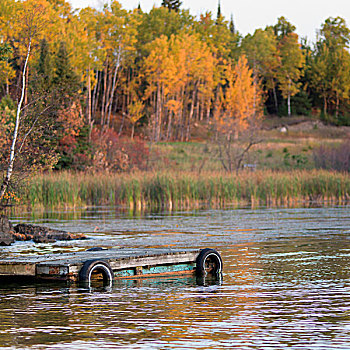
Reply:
x=186, y=189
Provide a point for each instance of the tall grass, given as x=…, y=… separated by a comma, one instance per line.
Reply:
x=179, y=190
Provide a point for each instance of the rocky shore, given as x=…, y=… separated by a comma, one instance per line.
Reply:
x=26, y=232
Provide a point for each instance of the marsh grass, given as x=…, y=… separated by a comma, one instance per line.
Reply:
x=186, y=189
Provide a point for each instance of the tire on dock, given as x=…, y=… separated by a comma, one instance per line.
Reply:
x=208, y=262
x=96, y=266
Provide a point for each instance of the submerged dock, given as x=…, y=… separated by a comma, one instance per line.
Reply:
x=110, y=264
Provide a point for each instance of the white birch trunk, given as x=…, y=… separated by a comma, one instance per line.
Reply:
x=9, y=171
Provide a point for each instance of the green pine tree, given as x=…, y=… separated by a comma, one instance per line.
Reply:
x=44, y=68
x=65, y=78
x=232, y=25
x=218, y=15
x=5, y=52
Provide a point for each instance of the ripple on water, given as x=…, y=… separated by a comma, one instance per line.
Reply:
x=285, y=285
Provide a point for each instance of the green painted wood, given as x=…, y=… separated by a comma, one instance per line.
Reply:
x=160, y=269
x=155, y=270
x=124, y=273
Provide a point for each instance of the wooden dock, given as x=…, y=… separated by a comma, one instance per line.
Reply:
x=108, y=265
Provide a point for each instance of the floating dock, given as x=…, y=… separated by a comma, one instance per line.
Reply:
x=98, y=264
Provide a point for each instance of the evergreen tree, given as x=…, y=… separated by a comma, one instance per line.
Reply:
x=5, y=52
x=44, y=69
x=65, y=77
x=172, y=4
x=219, y=15
x=232, y=25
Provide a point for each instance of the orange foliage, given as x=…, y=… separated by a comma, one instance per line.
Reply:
x=71, y=119
x=239, y=105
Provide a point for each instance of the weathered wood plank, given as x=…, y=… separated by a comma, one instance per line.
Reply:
x=17, y=269
x=68, y=265
x=71, y=267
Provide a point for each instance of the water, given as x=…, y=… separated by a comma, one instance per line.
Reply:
x=286, y=284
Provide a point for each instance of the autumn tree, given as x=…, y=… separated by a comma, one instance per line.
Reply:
x=238, y=113
x=283, y=28
x=291, y=68
x=29, y=21
x=330, y=65
x=264, y=58
x=158, y=22
x=179, y=74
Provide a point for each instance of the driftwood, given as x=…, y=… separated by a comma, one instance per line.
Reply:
x=27, y=232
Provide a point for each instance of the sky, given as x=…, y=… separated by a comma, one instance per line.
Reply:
x=248, y=15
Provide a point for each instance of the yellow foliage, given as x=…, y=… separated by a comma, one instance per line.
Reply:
x=135, y=110
x=239, y=105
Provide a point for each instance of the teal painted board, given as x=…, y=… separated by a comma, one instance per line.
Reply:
x=154, y=270
x=124, y=273
x=167, y=268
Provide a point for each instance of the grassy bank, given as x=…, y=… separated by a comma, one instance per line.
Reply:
x=186, y=190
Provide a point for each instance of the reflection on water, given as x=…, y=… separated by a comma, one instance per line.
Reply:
x=286, y=284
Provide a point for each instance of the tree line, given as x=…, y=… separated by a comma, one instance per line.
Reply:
x=94, y=75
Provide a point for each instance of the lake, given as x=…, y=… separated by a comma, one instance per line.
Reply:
x=286, y=283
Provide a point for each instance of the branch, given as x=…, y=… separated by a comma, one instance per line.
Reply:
x=31, y=129
x=245, y=151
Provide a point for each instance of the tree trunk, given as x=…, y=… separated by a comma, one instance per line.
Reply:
x=158, y=114
x=132, y=131
x=108, y=94
x=190, y=115
x=104, y=97
x=9, y=171
x=208, y=112
x=95, y=94
x=7, y=87
x=168, y=134
x=88, y=108
x=110, y=102
x=337, y=105
x=289, y=110
x=275, y=98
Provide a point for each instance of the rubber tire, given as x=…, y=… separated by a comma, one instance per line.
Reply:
x=201, y=260
x=90, y=265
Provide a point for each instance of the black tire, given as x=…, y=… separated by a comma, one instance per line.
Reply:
x=96, y=265
x=208, y=262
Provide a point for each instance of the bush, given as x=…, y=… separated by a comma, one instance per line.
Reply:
x=333, y=157
x=113, y=153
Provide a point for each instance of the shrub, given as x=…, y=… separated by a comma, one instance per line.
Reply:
x=335, y=157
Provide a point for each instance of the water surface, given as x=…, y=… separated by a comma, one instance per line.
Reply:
x=286, y=284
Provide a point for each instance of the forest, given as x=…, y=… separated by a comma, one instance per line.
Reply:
x=93, y=89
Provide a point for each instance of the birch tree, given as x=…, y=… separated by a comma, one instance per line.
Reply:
x=30, y=20
x=291, y=69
